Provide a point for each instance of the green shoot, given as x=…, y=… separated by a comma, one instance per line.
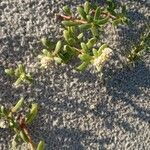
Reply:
x=20, y=74
x=18, y=122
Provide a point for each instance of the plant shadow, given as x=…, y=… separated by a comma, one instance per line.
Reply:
x=66, y=137
x=127, y=84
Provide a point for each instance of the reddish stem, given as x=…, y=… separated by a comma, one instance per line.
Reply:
x=71, y=18
x=23, y=126
x=82, y=21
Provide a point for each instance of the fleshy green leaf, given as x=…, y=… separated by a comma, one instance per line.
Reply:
x=84, y=47
x=67, y=10
x=57, y=48
x=46, y=42
x=87, y=7
x=89, y=18
x=10, y=72
x=72, y=41
x=80, y=36
x=18, y=82
x=102, y=21
x=20, y=70
x=66, y=35
x=71, y=50
x=18, y=105
x=46, y=52
x=81, y=12
x=41, y=145
x=3, y=111
x=24, y=136
x=102, y=48
x=91, y=42
x=32, y=114
x=94, y=31
x=97, y=13
x=82, y=67
x=85, y=26
x=70, y=23
x=85, y=57
x=95, y=52
x=65, y=56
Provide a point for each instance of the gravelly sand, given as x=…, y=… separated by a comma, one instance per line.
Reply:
x=77, y=111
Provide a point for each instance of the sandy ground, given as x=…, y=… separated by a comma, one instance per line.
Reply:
x=76, y=111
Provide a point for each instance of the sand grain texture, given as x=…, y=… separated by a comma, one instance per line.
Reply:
x=76, y=111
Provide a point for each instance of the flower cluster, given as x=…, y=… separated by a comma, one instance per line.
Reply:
x=99, y=61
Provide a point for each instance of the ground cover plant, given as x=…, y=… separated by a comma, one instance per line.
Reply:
x=82, y=33
x=75, y=43
x=143, y=46
x=18, y=122
x=20, y=74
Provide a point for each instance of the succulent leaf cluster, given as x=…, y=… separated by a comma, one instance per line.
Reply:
x=19, y=122
x=74, y=42
x=143, y=46
x=80, y=37
x=20, y=74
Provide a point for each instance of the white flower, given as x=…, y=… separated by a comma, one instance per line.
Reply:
x=98, y=62
x=45, y=61
x=3, y=124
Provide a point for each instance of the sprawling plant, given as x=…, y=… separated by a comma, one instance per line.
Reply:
x=138, y=49
x=80, y=39
x=19, y=122
x=20, y=74
x=81, y=34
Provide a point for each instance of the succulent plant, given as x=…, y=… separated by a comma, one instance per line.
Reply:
x=18, y=122
x=74, y=42
x=20, y=74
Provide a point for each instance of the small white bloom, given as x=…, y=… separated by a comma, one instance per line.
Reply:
x=45, y=61
x=99, y=61
x=3, y=124
x=107, y=51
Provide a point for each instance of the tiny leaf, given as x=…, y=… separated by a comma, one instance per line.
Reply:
x=94, y=31
x=85, y=26
x=18, y=82
x=95, y=52
x=80, y=36
x=57, y=48
x=102, y=21
x=84, y=47
x=41, y=145
x=24, y=136
x=102, y=48
x=91, y=43
x=85, y=57
x=82, y=67
x=97, y=13
x=32, y=114
x=67, y=10
x=81, y=12
x=87, y=7
x=46, y=42
x=70, y=23
x=18, y=105
x=10, y=72
x=89, y=18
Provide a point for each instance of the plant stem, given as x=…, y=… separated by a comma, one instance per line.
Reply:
x=71, y=18
x=82, y=21
x=23, y=126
